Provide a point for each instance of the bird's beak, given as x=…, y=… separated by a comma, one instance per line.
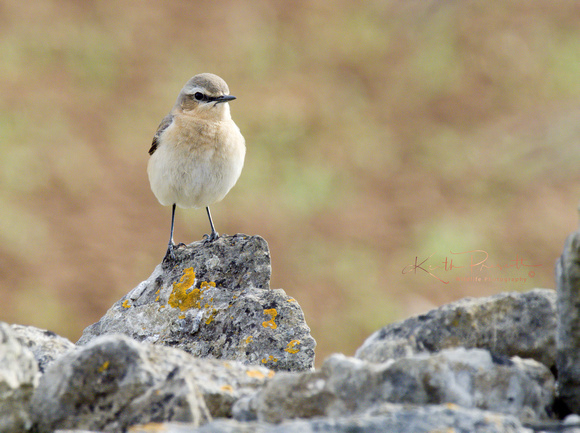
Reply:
x=224, y=98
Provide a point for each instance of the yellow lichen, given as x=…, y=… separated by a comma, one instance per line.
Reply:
x=270, y=323
x=206, y=285
x=227, y=388
x=126, y=304
x=249, y=339
x=291, y=300
x=181, y=316
x=269, y=359
x=256, y=374
x=104, y=367
x=291, y=347
x=179, y=297
x=271, y=374
x=211, y=316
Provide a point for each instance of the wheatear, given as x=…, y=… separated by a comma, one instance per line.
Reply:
x=198, y=151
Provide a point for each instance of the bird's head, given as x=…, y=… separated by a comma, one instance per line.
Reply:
x=205, y=95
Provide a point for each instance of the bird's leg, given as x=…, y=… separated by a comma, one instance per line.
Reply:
x=170, y=245
x=213, y=235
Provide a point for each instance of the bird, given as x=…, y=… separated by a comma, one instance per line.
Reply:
x=198, y=151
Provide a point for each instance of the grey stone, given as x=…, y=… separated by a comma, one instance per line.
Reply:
x=471, y=378
x=387, y=418
x=223, y=383
x=45, y=345
x=115, y=382
x=507, y=324
x=568, y=341
x=18, y=379
x=214, y=301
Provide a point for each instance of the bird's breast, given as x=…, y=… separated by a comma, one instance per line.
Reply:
x=197, y=162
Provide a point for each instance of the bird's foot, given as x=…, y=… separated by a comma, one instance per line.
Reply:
x=213, y=236
x=170, y=254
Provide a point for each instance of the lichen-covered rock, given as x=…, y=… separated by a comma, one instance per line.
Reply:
x=18, y=379
x=223, y=383
x=214, y=301
x=507, y=324
x=45, y=345
x=470, y=378
x=568, y=360
x=391, y=418
x=115, y=382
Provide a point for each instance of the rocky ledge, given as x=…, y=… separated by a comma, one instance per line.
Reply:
x=204, y=345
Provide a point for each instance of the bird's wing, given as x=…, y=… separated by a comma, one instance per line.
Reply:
x=162, y=127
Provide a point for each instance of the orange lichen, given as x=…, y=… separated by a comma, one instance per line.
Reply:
x=227, y=388
x=181, y=316
x=269, y=359
x=249, y=339
x=270, y=323
x=180, y=297
x=271, y=374
x=291, y=300
x=206, y=285
x=126, y=304
x=211, y=316
x=256, y=374
x=103, y=367
x=291, y=347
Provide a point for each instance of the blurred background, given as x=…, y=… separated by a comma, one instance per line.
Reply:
x=379, y=135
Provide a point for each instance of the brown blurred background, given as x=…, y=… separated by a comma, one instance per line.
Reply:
x=377, y=133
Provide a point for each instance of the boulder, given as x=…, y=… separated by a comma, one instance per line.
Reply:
x=470, y=378
x=214, y=301
x=392, y=418
x=45, y=345
x=568, y=342
x=18, y=379
x=507, y=324
x=114, y=382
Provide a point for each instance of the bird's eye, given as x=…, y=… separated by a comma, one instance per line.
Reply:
x=198, y=96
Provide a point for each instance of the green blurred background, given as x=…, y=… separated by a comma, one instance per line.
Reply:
x=377, y=132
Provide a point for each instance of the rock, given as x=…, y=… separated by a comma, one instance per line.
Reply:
x=45, y=345
x=387, y=418
x=223, y=383
x=113, y=383
x=568, y=340
x=214, y=301
x=507, y=324
x=18, y=379
x=470, y=378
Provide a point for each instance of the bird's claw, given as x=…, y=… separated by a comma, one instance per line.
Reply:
x=170, y=254
x=211, y=237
